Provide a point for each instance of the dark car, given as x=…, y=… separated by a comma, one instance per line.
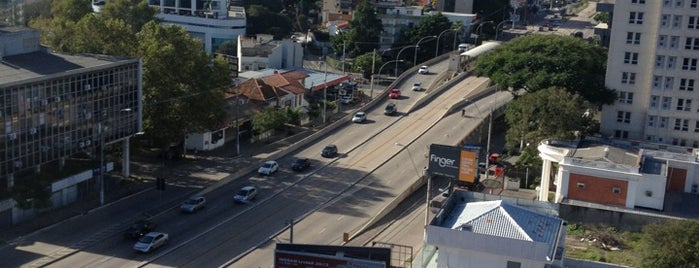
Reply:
x=329, y=151
x=300, y=164
x=390, y=109
x=139, y=229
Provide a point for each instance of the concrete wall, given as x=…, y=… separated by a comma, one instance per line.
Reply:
x=621, y=219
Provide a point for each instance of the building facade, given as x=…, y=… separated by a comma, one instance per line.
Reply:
x=262, y=52
x=652, y=64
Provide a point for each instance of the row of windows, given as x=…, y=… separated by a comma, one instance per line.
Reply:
x=675, y=141
x=666, y=104
x=664, y=62
x=679, y=124
x=668, y=83
x=672, y=3
x=666, y=20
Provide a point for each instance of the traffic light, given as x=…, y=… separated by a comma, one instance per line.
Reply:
x=160, y=183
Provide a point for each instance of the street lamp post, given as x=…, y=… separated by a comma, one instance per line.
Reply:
x=498, y=27
x=429, y=185
x=371, y=90
x=436, y=53
x=478, y=31
x=325, y=93
x=398, y=57
x=418, y=46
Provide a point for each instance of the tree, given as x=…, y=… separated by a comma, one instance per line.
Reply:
x=366, y=29
x=72, y=10
x=183, y=88
x=538, y=62
x=366, y=62
x=101, y=35
x=552, y=113
x=136, y=12
x=673, y=243
x=269, y=119
x=602, y=17
x=228, y=48
x=260, y=19
x=431, y=25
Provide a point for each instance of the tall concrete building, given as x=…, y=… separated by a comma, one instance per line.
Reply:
x=652, y=63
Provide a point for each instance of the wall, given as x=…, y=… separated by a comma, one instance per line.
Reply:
x=597, y=190
x=620, y=218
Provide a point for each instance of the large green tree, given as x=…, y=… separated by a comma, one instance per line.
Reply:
x=101, y=35
x=366, y=61
x=261, y=19
x=538, y=62
x=269, y=119
x=136, y=12
x=432, y=25
x=183, y=90
x=366, y=29
x=674, y=243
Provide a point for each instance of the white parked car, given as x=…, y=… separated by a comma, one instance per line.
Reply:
x=151, y=241
x=423, y=70
x=359, y=117
x=268, y=168
x=246, y=194
x=193, y=204
x=346, y=99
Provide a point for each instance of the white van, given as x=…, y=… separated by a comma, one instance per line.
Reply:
x=463, y=47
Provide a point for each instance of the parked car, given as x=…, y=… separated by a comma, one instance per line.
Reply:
x=300, y=164
x=390, y=109
x=193, y=204
x=268, y=168
x=359, y=117
x=346, y=99
x=329, y=151
x=394, y=94
x=417, y=86
x=423, y=70
x=139, y=229
x=151, y=241
x=246, y=194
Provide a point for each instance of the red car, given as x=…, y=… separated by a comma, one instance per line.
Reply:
x=395, y=94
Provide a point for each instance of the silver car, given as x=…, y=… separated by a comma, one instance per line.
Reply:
x=193, y=204
x=150, y=242
x=246, y=194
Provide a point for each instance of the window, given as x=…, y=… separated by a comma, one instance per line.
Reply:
x=693, y=22
x=662, y=41
x=693, y=3
x=679, y=3
x=635, y=17
x=695, y=144
x=676, y=21
x=616, y=190
x=687, y=84
x=689, y=64
x=671, y=60
x=667, y=3
x=696, y=126
x=581, y=185
x=659, y=61
x=513, y=264
x=626, y=97
x=667, y=102
x=623, y=134
x=652, y=120
x=638, y=1
x=692, y=43
x=628, y=78
x=631, y=58
x=664, y=20
x=684, y=105
x=623, y=117
x=650, y=138
x=633, y=38
x=674, y=42
x=669, y=82
x=656, y=81
x=680, y=142
x=682, y=124
x=654, y=101
x=663, y=122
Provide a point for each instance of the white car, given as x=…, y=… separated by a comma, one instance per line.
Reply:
x=268, y=168
x=246, y=194
x=359, y=117
x=423, y=70
x=417, y=86
x=193, y=204
x=346, y=99
x=151, y=241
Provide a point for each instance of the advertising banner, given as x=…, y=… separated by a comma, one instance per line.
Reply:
x=454, y=162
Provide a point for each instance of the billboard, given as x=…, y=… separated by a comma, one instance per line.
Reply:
x=454, y=162
x=322, y=256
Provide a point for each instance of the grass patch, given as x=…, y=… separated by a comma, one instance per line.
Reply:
x=603, y=244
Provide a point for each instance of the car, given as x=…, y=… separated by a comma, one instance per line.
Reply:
x=417, y=86
x=359, y=117
x=423, y=70
x=151, y=241
x=390, y=109
x=394, y=94
x=300, y=164
x=346, y=99
x=193, y=204
x=245, y=194
x=329, y=151
x=139, y=229
x=268, y=168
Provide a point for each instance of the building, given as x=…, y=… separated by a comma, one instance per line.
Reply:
x=263, y=52
x=652, y=64
x=494, y=234
x=214, y=22
x=616, y=172
x=54, y=106
x=397, y=19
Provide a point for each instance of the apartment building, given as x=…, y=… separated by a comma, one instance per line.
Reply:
x=263, y=52
x=53, y=106
x=652, y=64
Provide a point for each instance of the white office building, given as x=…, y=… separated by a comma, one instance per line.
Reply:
x=652, y=64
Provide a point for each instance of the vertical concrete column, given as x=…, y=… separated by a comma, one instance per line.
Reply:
x=125, y=159
x=545, y=181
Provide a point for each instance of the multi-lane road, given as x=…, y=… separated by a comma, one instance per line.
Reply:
x=378, y=160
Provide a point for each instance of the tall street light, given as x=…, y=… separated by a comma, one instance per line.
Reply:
x=429, y=185
x=398, y=57
x=436, y=53
x=325, y=92
x=371, y=87
x=418, y=46
x=498, y=27
x=478, y=33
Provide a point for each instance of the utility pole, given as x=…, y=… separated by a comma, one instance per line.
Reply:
x=325, y=93
x=371, y=87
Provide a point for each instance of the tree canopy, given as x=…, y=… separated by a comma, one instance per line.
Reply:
x=366, y=29
x=674, y=243
x=432, y=25
x=538, y=62
x=366, y=61
x=261, y=19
